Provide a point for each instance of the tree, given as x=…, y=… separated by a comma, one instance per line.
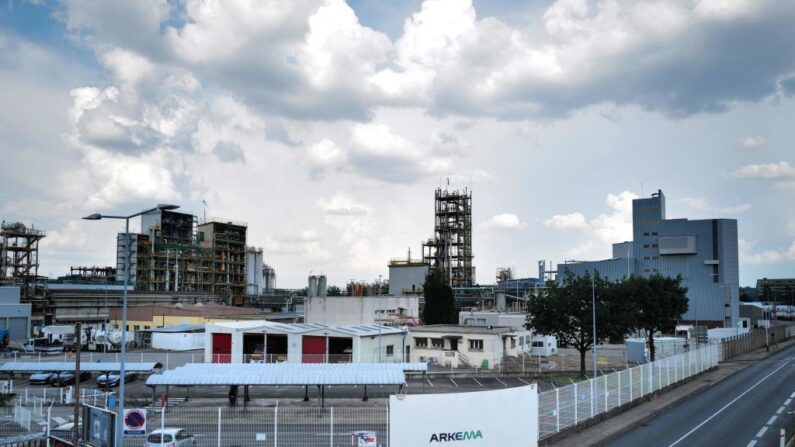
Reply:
x=439, y=303
x=659, y=301
x=333, y=291
x=566, y=311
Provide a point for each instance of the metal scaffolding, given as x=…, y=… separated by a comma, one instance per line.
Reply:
x=450, y=250
x=19, y=245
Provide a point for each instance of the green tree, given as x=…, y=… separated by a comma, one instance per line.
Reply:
x=333, y=291
x=659, y=302
x=439, y=302
x=566, y=311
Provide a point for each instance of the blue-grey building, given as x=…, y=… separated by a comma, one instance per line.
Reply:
x=704, y=252
x=14, y=316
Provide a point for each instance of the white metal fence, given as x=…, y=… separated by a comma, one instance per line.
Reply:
x=169, y=360
x=570, y=405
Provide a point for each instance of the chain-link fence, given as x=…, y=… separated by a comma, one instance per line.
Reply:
x=570, y=405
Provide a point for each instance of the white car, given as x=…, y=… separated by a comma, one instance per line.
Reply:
x=170, y=437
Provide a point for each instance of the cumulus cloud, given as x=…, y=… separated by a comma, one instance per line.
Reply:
x=561, y=221
x=505, y=221
x=602, y=230
x=748, y=255
x=753, y=142
x=780, y=170
x=341, y=205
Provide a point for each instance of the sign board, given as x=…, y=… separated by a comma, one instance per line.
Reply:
x=364, y=439
x=134, y=421
x=99, y=426
x=506, y=417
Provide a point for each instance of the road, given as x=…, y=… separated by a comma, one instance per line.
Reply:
x=747, y=409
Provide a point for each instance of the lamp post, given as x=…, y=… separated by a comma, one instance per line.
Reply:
x=118, y=442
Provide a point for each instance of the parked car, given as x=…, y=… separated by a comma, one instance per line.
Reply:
x=112, y=379
x=41, y=378
x=68, y=378
x=170, y=437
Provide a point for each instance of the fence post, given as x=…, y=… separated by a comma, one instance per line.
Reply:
x=331, y=438
x=49, y=418
x=557, y=410
x=619, y=388
x=219, y=426
x=576, y=401
x=668, y=371
x=276, y=425
x=605, y=377
x=630, y=384
x=593, y=385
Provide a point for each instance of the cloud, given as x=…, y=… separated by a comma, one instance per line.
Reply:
x=701, y=204
x=342, y=205
x=602, y=230
x=504, y=221
x=778, y=170
x=747, y=254
x=230, y=152
x=753, y=142
x=561, y=221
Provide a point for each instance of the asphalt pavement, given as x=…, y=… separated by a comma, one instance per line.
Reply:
x=748, y=408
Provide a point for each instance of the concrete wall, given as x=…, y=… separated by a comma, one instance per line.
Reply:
x=514, y=320
x=404, y=278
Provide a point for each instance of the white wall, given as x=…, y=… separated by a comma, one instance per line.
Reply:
x=178, y=341
x=403, y=277
x=348, y=310
x=495, y=418
x=492, y=349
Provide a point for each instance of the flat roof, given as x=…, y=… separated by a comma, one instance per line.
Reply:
x=456, y=329
x=84, y=366
x=363, y=330
x=177, y=328
x=298, y=374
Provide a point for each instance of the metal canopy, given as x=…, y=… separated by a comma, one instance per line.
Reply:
x=296, y=374
x=13, y=367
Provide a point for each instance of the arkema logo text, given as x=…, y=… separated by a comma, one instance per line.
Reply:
x=456, y=436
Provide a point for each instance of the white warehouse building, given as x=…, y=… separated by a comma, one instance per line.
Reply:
x=269, y=342
x=478, y=346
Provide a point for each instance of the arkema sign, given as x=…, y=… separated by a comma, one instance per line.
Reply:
x=506, y=417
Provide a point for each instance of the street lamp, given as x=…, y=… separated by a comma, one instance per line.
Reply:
x=118, y=442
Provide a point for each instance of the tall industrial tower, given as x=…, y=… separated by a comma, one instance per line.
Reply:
x=450, y=250
x=19, y=254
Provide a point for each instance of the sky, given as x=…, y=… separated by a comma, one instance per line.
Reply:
x=327, y=126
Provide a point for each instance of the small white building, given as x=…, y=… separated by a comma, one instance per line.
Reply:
x=543, y=345
x=455, y=345
x=388, y=310
x=265, y=341
x=183, y=337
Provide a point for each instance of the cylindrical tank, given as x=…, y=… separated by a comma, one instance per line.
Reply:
x=312, y=290
x=321, y=286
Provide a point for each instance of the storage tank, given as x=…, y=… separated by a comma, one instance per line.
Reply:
x=322, y=287
x=312, y=289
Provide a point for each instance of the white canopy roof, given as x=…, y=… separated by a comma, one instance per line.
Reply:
x=298, y=374
x=11, y=367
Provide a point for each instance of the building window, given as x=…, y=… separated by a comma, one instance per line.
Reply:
x=645, y=234
x=146, y=327
x=655, y=257
x=437, y=343
x=654, y=233
x=127, y=328
x=538, y=344
x=655, y=245
x=420, y=342
x=136, y=328
x=646, y=258
x=390, y=350
x=476, y=345
x=513, y=342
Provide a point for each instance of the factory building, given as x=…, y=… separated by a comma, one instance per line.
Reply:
x=19, y=266
x=14, y=315
x=175, y=252
x=704, y=252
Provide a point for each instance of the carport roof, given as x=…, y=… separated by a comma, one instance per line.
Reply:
x=12, y=367
x=198, y=374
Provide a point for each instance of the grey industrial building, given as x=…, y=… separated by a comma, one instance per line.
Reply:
x=704, y=252
x=14, y=316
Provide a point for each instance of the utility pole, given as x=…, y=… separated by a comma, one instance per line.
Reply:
x=76, y=389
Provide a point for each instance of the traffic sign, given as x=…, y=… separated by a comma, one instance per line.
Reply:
x=134, y=421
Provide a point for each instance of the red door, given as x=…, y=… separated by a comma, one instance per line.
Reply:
x=314, y=349
x=222, y=348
